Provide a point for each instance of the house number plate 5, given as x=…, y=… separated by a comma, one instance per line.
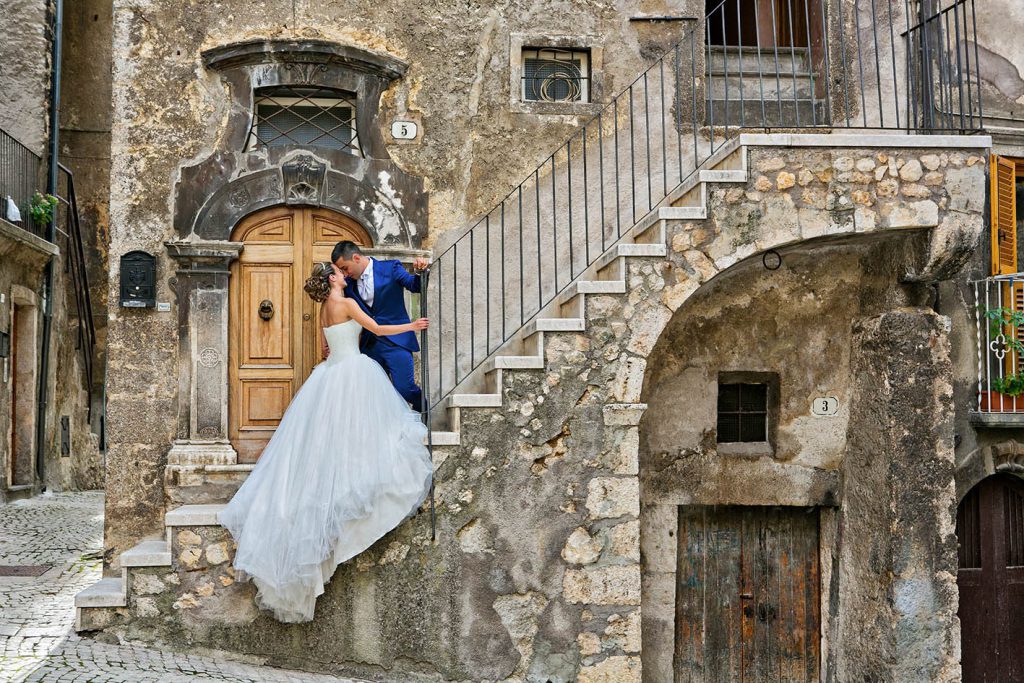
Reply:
x=825, y=406
x=404, y=130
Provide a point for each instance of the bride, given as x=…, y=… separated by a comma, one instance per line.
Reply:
x=346, y=465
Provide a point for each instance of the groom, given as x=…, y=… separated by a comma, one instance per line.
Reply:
x=377, y=288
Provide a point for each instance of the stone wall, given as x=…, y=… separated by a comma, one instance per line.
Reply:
x=25, y=79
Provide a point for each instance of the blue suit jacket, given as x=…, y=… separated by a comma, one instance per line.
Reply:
x=389, y=279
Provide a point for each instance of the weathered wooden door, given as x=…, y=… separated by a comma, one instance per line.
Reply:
x=990, y=531
x=747, y=599
x=274, y=339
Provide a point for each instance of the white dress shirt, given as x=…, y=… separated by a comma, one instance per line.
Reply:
x=365, y=283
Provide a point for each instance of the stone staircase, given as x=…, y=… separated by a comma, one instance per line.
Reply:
x=482, y=389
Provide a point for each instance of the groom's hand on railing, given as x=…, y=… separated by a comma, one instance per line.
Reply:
x=420, y=264
x=421, y=324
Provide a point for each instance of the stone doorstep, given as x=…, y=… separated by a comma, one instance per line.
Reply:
x=153, y=553
x=109, y=592
x=193, y=515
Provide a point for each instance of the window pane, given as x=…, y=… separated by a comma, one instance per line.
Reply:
x=753, y=427
x=753, y=397
x=306, y=117
x=728, y=397
x=728, y=427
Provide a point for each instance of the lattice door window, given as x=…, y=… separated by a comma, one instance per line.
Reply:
x=304, y=116
x=556, y=75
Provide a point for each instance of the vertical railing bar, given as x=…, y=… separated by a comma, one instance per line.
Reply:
x=895, y=79
x=487, y=289
x=647, y=143
x=572, y=255
x=739, y=52
x=678, y=98
x=810, y=62
x=440, y=329
x=967, y=59
x=825, y=45
x=959, y=64
x=982, y=344
x=664, y=136
x=455, y=313
x=927, y=80
x=878, y=70
x=618, y=207
x=778, y=67
x=586, y=199
x=725, y=67
x=536, y=201
x=977, y=65
x=911, y=50
x=792, y=58
x=504, y=313
x=632, y=160
x=472, y=299
x=709, y=99
x=522, y=297
x=860, y=65
x=842, y=61
x=760, y=69
x=693, y=102
x=999, y=304
x=944, y=73
x=554, y=220
x=600, y=167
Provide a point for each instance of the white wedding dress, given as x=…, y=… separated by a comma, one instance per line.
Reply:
x=346, y=465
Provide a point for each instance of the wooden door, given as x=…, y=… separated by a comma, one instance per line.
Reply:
x=747, y=598
x=274, y=336
x=990, y=532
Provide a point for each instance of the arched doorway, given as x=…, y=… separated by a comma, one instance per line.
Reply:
x=990, y=534
x=274, y=340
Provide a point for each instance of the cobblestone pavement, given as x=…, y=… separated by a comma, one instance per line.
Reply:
x=37, y=638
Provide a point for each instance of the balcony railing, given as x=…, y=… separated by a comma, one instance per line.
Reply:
x=999, y=316
x=22, y=175
x=821, y=65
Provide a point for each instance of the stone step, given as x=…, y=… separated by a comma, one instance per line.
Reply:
x=554, y=325
x=784, y=114
x=442, y=438
x=473, y=401
x=147, y=554
x=108, y=592
x=753, y=87
x=513, y=363
x=193, y=515
x=719, y=58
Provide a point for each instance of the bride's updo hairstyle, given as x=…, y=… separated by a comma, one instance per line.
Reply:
x=318, y=284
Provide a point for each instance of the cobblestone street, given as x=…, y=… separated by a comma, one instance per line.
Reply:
x=37, y=638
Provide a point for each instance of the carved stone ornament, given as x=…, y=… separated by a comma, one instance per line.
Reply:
x=304, y=73
x=303, y=178
x=209, y=357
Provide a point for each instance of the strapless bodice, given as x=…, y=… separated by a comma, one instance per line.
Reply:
x=343, y=340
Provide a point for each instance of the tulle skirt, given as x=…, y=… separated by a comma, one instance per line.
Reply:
x=346, y=465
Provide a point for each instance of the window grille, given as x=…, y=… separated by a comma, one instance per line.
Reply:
x=309, y=117
x=742, y=413
x=551, y=75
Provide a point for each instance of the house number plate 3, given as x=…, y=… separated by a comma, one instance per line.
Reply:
x=825, y=406
x=404, y=130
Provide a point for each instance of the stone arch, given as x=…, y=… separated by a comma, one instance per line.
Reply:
x=984, y=461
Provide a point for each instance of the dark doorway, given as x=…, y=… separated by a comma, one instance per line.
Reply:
x=764, y=23
x=747, y=596
x=990, y=534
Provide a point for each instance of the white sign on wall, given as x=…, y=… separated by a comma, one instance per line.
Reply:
x=404, y=130
x=825, y=406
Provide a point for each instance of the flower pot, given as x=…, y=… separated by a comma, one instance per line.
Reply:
x=994, y=402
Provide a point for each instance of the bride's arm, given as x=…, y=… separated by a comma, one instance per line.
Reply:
x=372, y=325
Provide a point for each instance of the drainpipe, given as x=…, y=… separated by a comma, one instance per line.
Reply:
x=51, y=235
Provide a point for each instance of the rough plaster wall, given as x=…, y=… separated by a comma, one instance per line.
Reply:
x=1001, y=57
x=896, y=585
x=167, y=110
x=25, y=75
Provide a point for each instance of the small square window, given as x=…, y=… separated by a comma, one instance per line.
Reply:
x=307, y=117
x=555, y=75
x=742, y=413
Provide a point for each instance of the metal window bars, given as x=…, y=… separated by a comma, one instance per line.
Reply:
x=999, y=315
x=556, y=75
x=304, y=116
x=649, y=140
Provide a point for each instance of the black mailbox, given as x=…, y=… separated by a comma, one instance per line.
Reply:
x=138, y=280
x=5, y=344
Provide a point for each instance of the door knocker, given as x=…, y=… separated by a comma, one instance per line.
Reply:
x=266, y=310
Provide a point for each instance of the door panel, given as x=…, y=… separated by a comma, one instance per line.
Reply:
x=273, y=353
x=747, y=601
x=990, y=533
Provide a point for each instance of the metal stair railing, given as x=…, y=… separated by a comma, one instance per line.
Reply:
x=654, y=135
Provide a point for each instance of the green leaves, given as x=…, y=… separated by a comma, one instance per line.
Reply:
x=41, y=208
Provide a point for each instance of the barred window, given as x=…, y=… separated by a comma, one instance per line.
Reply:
x=742, y=413
x=555, y=75
x=309, y=117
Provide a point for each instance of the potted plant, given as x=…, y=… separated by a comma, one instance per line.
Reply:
x=1005, y=391
x=41, y=208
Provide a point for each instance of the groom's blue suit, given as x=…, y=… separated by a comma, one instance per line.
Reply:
x=393, y=353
